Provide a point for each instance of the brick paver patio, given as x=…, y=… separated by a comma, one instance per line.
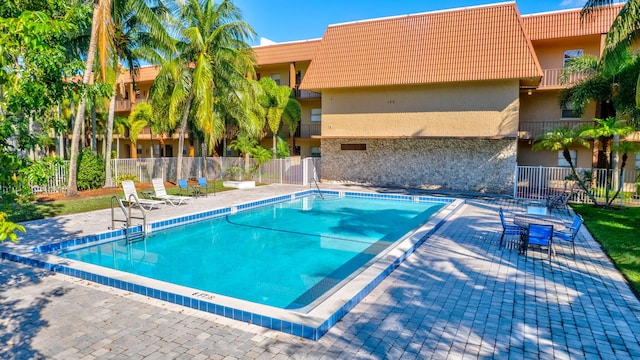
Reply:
x=459, y=296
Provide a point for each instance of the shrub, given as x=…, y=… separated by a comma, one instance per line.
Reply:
x=123, y=177
x=90, y=170
x=40, y=171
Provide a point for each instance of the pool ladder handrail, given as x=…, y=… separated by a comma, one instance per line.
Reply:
x=315, y=175
x=128, y=216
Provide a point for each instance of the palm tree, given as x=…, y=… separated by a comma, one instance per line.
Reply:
x=279, y=106
x=605, y=130
x=624, y=31
x=244, y=144
x=139, y=30
x=213, y=55
x=100, y=23
x=120, y=125
x=562, y=139
x=137, y=122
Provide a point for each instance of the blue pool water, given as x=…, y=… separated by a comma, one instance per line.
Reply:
x=285, y=255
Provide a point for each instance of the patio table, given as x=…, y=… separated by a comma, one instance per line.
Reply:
x=524, y=220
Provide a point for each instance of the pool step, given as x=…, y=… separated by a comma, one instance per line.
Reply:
x=134, y=237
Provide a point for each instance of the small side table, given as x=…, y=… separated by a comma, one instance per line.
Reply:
x=196, y=190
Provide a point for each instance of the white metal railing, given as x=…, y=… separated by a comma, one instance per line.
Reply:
x=293, y=170
x=539, y=182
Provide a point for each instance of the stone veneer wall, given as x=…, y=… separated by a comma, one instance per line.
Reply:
x=457, y=164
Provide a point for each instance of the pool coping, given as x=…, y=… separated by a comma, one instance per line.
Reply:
x=312, y=325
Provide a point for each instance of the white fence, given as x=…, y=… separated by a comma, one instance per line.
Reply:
x=538, y=182
x=531, y=182
x=293, y=170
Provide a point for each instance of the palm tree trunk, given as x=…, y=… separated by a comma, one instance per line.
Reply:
x=108, y=140
x=72, y=185
x=94, y=146
x=183, y=129
x=274, y=146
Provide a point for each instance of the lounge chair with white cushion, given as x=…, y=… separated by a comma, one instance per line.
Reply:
x=131, y=196
x=161, y=193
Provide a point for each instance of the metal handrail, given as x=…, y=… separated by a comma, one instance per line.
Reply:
x=128, y=215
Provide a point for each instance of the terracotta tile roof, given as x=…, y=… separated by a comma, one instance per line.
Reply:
x=286, y=52
x=479, y=43
x=560, y=24
x=145, y=73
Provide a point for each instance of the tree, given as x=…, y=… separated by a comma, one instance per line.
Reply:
x=212, y=56
x=33, y=64
x=100, y=23
x=138, y=120
x=605, y=130
x=139, y=29
x=260, y=156
x=623, y=33
x=279, y=106
x=8, y=229
x=562, y=139
x=244, y=144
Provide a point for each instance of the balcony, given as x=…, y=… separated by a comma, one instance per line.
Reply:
x=125, y=104
x=305, y=94
x=530, y=129
x=308, y=130
x=551, y=79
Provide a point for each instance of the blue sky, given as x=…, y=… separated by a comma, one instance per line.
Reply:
x=286, y=20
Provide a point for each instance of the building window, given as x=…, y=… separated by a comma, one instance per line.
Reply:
x=638, y=161
x=139, y=149
x=570, y=54
x=315, y=151
x=562, y=162
x=568, y=113
x=316, y=115
x=276, y=78
x=156, y=149
x=353, y=146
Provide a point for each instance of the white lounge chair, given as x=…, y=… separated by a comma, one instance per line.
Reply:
x=131, y=196
x=161, y=193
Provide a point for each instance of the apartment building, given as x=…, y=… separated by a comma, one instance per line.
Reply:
x=447, y=99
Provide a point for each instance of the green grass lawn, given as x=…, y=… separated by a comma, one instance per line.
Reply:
x=618, y=231
x=39, y=210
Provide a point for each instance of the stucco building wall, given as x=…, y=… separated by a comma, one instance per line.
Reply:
x=459, y=164
x=466, y=109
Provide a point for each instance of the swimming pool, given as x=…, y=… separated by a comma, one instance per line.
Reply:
x=326, y=296
x=286, y=255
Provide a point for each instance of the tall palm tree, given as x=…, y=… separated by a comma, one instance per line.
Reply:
x=213, y=55
x=279, y=106
x=100, y=24
x=139, y=31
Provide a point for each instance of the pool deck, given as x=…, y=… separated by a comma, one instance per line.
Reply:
x=458, y=296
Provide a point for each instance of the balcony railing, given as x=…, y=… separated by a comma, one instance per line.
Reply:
x=308, y=130
x=305, y=94
x=531, y=129
x=551, y=79
x=125, y=104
